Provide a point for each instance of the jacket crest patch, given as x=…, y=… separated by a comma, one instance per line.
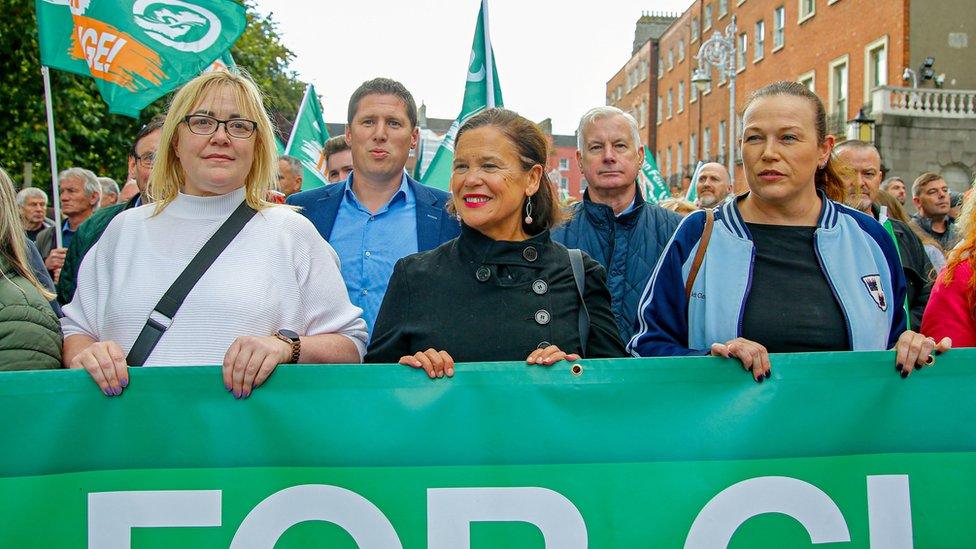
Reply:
x=873, y=285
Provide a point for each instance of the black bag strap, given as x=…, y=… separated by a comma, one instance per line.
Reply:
x=576, y=261
x=177, y=292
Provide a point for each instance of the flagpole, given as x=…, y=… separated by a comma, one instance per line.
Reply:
x=489, y=57
x=301, y=109
x=55, y=191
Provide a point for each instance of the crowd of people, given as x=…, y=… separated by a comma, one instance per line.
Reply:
x=197, y=261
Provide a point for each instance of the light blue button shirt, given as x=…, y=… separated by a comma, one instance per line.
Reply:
x=369, y=244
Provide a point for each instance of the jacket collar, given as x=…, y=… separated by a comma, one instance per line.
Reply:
x=732, y=217
x=477, y=248
x=602, y=215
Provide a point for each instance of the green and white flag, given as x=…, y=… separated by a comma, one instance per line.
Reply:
x=481, y=91
x=136, y=50
x=692, y=194
x=308, y=136
x=656, y=188
x=223, y=63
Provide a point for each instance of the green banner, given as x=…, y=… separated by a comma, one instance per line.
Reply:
x=835, y=448
x=656, y=188
x=136, y=50
x=308, y=136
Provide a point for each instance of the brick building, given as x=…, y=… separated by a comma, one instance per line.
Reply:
x=842, y=49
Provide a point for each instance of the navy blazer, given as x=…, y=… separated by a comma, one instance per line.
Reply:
x=434, y=225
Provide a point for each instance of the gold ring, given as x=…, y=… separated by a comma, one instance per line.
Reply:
x=930, y=361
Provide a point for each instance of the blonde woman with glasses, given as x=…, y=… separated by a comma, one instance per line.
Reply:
x=30, y=337
x=273, y=295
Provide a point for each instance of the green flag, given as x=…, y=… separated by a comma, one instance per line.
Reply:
x=657, y=188
x=137, y=51
x=308, y=136
x=481, y=91
x=279, y=146
x=692, y=194
x=418, y=167
x=223, y=63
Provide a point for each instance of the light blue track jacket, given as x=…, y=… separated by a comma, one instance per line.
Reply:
x=855, y=253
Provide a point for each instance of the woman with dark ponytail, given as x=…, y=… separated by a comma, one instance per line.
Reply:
x=503, y=290
x=785, y=267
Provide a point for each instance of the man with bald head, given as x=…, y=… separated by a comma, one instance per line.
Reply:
x=713, y=185
x=863, y=186
x=614, y=224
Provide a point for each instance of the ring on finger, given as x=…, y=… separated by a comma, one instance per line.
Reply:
x=930, y=361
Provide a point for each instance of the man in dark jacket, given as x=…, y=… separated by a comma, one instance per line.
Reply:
x=614, y=224
x=141, y=158
x=865, y=160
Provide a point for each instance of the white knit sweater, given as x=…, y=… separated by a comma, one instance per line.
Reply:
x=277, y=273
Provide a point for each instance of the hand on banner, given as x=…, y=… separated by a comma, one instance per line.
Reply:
x=435, y=363
x=753, y=356
x=913, y=351
x=250, y=360
x=550, y=355
x=105, y=363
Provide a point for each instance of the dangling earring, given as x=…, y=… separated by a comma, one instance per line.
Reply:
x=528, y=211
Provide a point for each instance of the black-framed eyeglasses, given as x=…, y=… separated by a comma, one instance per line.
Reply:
x=146, y=160
x=202, y=124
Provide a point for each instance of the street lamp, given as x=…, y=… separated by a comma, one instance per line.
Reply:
x=719, y=52
x=861, y=128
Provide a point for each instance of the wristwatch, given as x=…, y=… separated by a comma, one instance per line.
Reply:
x=292, y=339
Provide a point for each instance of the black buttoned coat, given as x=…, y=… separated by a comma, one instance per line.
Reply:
x=486, y=300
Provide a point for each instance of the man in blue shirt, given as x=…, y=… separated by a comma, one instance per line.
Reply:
x=80, y=194
x=378, y=214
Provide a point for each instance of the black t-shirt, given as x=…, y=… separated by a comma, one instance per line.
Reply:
x=33, y=234
x=791, y=306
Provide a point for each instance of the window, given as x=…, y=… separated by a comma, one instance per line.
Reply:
x=695, y=31
x=564, y=183
x=837, y=103
x=779, y=26
x=708, y=87
x=692, y=150
x=723, y=8
x=876, y=66
x=643, y=112
x=671, y=59
x=584, y=184
x=707, y=23
x=759, y=50
x=660, y=66
x=681, y=156
x=809, y=80
x=667, y=162
x=720, y=146
x=706, y=143
x=660, y=108
x=670, y=104
x=740, y=52
x=693, y=93
x=807, y=9
x=681, y=50
x=563, y=163
x=681, y=96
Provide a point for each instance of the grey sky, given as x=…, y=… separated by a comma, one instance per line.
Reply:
x=554, y=57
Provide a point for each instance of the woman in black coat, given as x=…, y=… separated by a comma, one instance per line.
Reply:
x=503, y=290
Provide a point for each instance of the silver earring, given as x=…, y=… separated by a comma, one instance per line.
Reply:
x=528, y=211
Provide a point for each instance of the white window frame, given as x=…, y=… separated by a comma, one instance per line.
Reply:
x=706, y=143
x=844, y=60
x=681, y=96
x=800, y=16
x=563, y=164
x=812, y=77
x=707, y=10
x=670, y=103
x=660, y=110
x=695, y=29
x=681, y=50
x=692, y=93
x=670, y=59
x=882, y=44
x=741, y=47
x=759, y=47
x=722, y=13
x=781, y=30
x=692, y=149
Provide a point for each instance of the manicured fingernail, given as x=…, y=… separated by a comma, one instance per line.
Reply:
x=440, y=374
x=117, y=390
x=124, y=382
x=228, y=387
x=760, y=379
x=904, y=374
x=107, y=391
x=237, y=394
x=768, y=373
x=898, y=366
x=937, y=352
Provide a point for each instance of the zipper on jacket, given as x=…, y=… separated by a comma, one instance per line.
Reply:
x=745, y=297
x=843, y=310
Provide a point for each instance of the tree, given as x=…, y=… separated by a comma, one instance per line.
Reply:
x=86, y=134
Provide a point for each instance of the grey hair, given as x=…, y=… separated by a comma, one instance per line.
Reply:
x=293, y=163
x=92, y=186
x=887, y=182
x=109, y=186
x=597, y=113
x=30, y=192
